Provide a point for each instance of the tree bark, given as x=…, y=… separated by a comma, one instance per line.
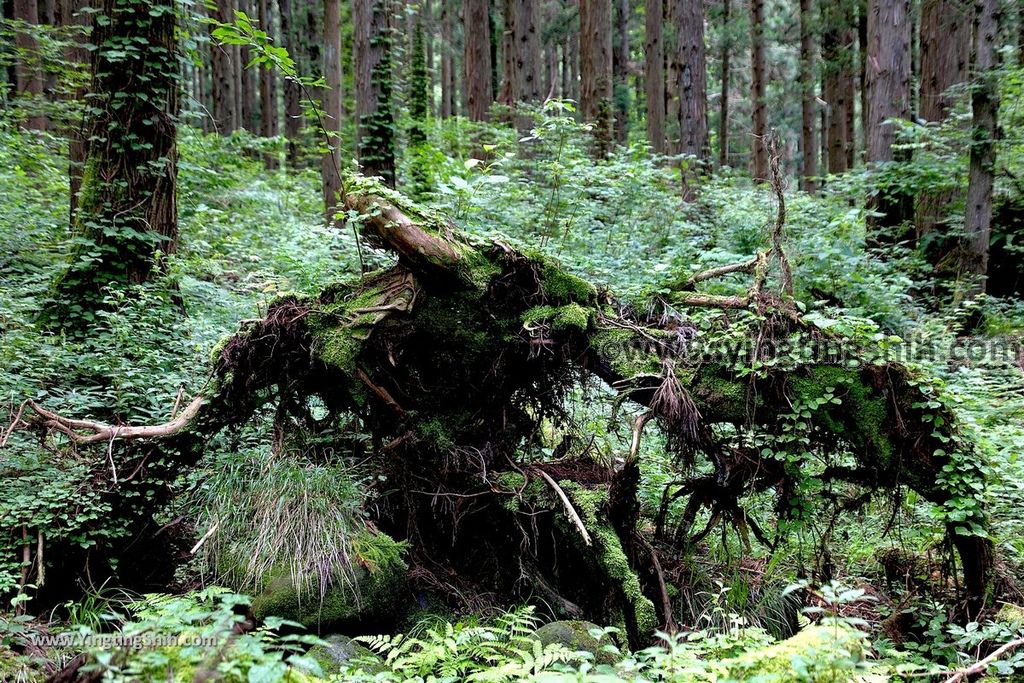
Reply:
x=838, y=57
x=757, y=95
x=888, y=84
x=28, y=68
x=127, y=208
x=693, y=96
x=723, y=101
x=596, y=71
x=447, y=67
x=620, y=71
x=268, y=89
x=654, y=74
x=945, y=56
x=225, y=112
x=808, y=119
x=76, y=54
x=375, y=134
x=984, y=111
x=292, y=92
x=333, y=115
x=477, y=59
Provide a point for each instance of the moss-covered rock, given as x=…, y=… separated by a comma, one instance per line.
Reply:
x=340, y=654
x=818, y=653
x=372, y=594
x=577, y=636
x=1011, y=615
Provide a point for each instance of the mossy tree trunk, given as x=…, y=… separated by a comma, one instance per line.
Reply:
x=127, y=211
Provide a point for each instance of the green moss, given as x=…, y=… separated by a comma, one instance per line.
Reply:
x=576, y=636
x=341, y=654
x=817, y=653
x=564, y=287
x=374, y=595
x=618, y=347
x=571, y=317
x=610, y=555
x=1011, y=615
x=439, y=432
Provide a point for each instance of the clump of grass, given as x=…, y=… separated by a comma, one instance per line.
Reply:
x=277, y=515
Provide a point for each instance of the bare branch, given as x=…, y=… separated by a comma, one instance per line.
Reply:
x=95, y=432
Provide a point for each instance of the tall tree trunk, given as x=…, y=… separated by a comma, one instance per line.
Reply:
x=865, y=104
x=28, y=68
x=330, y=162
x=573, y=91
x=292, y=91
x=693, y=96
x=984, y=111
x=596, y=70
x=809, y=130
x=620, y=70
x=126, y=209
x=654, y=74
x=477, y=59
x=447, y=67
x=945, y=56
x=723, y=101
x=888, y=83
x=527, y=33
x=225, y=111
x=508, y=91
x=375, y=135
x=757, y=96
x=77, y=55
x=268, y=89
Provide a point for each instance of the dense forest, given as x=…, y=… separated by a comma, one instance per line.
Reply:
x=502, y=340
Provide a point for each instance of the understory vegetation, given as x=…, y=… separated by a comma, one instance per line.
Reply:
x=445, y=462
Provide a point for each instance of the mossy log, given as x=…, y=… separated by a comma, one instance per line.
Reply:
x=453, y=358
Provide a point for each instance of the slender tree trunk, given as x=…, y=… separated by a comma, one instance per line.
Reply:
x=984, y=109
x=693, y=96
x=654, y=75
x=508, y=91
x=333, y=115
x=127, y=208
x=428, y=29
x=945, y=56
x=574, y=58
x=292, y=92
x=372, y=50
x=447, y=68
x=757, y=96
x=76, y=54
x=865, y=104
x=28, y=69
x=225, y=112
x=620, y=71
x=723, y=101
x=596, y=70
x=528, y=42
x=888, y=83
x=268, y=89
x=809, y=130
x=477, y=59
x=248, y=89
x=838, y=60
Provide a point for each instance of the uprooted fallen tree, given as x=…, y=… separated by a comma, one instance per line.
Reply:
x=453, y=359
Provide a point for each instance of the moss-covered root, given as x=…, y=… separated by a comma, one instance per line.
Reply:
x=638, y=613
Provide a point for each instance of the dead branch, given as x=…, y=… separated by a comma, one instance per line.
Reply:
x=981, y=666
x=89, y=431
x=569, y=509
x=719, y=271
